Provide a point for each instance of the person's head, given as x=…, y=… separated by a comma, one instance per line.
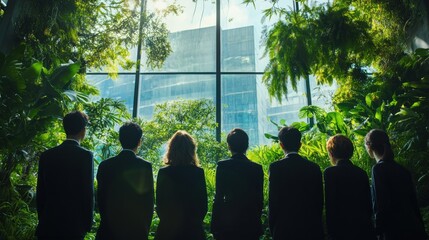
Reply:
x=378, y=146
x=130, y=135
x=74, y=124
x=181, y=150
x=339, y=148
x=290, y=139
x=237, y=140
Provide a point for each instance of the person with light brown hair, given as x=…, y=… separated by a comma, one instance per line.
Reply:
x=181, y=195
x=347, y=194
x=397, y=214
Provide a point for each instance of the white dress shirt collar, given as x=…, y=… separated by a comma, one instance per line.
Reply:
x=71, y=139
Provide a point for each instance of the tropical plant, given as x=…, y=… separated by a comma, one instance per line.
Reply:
x=104, y=117
x=365, y=46
x=194, y=116
x=31, y=99
x=339, y=39
x=97, y=33
x=18, y=221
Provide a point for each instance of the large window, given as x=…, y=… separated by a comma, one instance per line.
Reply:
x=193, y=70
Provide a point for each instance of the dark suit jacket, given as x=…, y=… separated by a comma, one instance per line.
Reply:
x=125, y=197
x=65, y=187
x=397, y=214
x=238, y=202
x=295, y=199
x=348, y=203
x=181, y=203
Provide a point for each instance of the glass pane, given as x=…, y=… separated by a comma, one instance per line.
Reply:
x=322, y=95
x=121, y=88
x=246, y=104
x=132, y=56
x=240, y=105
x=242, y=26
x=162, y=88
x=192, y=36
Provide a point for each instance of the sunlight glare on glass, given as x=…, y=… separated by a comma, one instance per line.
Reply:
x=192, y=15
x=158, y=5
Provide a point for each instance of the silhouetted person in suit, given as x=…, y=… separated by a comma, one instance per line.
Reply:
x=181, y=195
x=238, y=202
x=347, y=194
x=125, y=193
x=65, y=185
x=295, y=193
x=397, y=214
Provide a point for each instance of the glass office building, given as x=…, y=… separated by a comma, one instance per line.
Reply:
x=190, y=72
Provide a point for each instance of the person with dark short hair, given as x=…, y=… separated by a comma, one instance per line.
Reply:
x=395, y=206
x=65, y=185
x=125, y=193
x=295, y=192
x=347, y=194
x=238, y=202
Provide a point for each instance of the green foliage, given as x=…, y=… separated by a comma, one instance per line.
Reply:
x=194, y=116
x=38, y=96
x=17, y=220
x=102, y=137
x=265, y=155
x=328, y=124
x=340, y=47
x=364, y=47
x=412, y=101
x=32, y=98
x=36, y=88
x=97, y=33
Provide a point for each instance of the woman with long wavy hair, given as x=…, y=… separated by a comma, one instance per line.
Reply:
x=181, y=195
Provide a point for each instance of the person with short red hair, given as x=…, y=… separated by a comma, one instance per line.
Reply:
x=347, y=194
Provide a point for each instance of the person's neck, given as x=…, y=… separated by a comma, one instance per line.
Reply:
x=129, y=149
x=377, y=158
x=337, y=160
x=289, y=152
x=237, y=153
x=74, y=138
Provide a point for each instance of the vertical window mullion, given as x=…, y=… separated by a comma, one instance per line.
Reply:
x=218, y=73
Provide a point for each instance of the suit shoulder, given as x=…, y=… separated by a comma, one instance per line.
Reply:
x=106, y=162
x=254, y=164
x=256, y=168
x=329, y=170
x=314, y=165
x=83, y=149
x=49, y=151
x=45, y=153
x=359, y=170
x=164, y=170
x=200, y=169
x=223, y=162
x=144, y=162
x=87, y=153
x=277, y=163
x=378, y=167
